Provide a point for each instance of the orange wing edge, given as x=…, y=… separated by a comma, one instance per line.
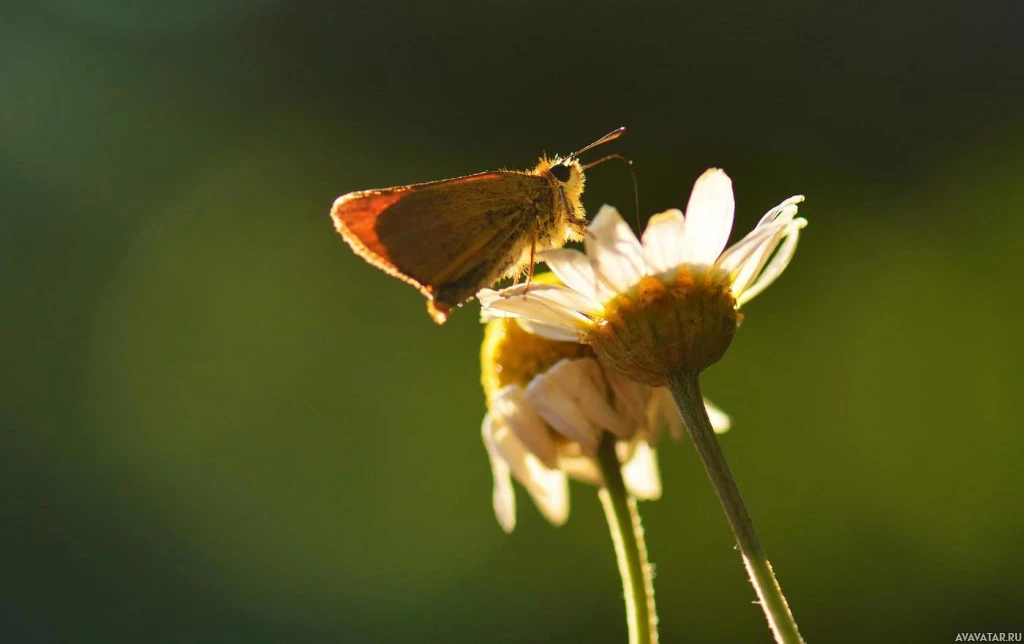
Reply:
x=371, y=203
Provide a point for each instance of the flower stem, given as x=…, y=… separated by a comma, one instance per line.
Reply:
x=686, y=391
x=630, y=549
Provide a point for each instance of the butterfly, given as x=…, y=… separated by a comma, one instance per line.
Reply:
x=451, y=238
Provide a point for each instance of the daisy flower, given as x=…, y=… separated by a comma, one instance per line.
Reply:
x=666, y=302
x=661, y=309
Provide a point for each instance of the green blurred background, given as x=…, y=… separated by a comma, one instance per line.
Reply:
x=221, y=425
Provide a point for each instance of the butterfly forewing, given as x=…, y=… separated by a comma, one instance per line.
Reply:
x=448, y=238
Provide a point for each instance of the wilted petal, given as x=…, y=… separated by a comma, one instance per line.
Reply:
x=720, y=421
x=591, y=390
x=662, y=410
x=510, y=406
x=663, y=241
x=550, y=491
x=504, y=496
x=709, y=215
x=778, y=263
x=785, y=211
x=553, y=402
x=737, y=256
x=640, y=473
x=746, y=259
x=616, y=255
x=755, y=263
x=582, y=468
x=549, y=488
x=630, y=398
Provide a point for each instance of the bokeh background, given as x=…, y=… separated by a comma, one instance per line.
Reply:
x=221, y=425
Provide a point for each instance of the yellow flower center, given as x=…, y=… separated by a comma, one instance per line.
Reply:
x=658, y=329
x=511, y=355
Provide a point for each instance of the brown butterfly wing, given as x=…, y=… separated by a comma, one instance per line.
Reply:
x=447, y=238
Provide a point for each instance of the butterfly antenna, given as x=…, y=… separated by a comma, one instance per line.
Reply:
x=611, y=136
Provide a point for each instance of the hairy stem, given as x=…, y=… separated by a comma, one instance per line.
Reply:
x=686, y=391
x=630, y=549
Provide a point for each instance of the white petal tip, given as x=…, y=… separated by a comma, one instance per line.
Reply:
x=488, y=296
x=715, y=178
x=670, y=215
x=555, y=507
x=605, y=213
x=507, y=522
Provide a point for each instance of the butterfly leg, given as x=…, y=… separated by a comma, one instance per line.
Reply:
x=533, y=258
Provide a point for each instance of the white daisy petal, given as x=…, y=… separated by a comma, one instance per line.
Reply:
x=504, y=496
x=709, y=215
x=575, y=271
x=640, y=473
x=556, y=332
x=539, y=310
x=720, y=420
x=778, y=263
x=510, y=406
x=615, y=252
x=663, y=241
x=663, y=411
x=487, y=315
x=488, y=296
x=564, y=298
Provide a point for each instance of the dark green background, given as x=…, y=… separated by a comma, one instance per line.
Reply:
x=221, y=425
